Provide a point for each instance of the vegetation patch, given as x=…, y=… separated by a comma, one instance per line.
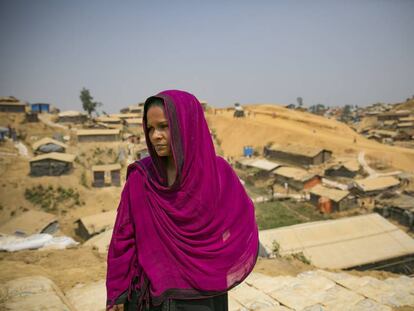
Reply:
x=50, y=198
x=301, y=257
x=274, y=215
x=306, y=210
x=298, y=256
x=278, y=214
x=84, y=180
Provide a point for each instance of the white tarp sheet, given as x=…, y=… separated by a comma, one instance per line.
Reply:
x=13, y=243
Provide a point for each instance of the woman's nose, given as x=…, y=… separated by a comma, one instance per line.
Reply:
x=157, y=133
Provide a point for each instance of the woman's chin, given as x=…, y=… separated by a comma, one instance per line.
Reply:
x=162, y=154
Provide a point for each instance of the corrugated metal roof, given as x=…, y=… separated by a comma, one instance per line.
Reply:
x=47, y=140
x=378, y=183
x=28, y=223
x=294, y=173
x=261, y=164
x=106, y=167
x=341, y=243
x=97, y=132
x=298, y=149
x=332, y=194
x=65, y=157
x=99, y=222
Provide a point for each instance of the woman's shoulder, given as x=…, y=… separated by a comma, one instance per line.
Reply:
x=222, y=161
x=138, y=167
x=223, y=165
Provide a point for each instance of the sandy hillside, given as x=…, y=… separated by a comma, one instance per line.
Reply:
x=15, y=179
x=271, y=123
x=407, y=105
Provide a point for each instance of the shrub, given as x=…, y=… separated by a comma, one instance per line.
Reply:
x=301, y=257
x=83, y=180
x=276, y=249
x=49, y=199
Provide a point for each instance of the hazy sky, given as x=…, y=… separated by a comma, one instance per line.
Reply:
x=328, y=52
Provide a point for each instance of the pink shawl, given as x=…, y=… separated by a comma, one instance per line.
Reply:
x=195, y=239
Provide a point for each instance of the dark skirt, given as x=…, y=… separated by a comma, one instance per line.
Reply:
x=216, y=303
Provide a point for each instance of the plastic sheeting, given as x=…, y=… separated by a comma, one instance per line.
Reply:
x=51, y=148
x=12, y=243
x=60, y=242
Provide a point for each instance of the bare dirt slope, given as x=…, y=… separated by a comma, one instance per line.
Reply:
x=15, y=178
x=271, y=123
x=407, y=105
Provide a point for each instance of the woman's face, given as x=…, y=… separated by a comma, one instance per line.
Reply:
x=158, y=131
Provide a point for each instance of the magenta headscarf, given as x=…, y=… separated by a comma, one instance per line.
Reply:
x=195, y=239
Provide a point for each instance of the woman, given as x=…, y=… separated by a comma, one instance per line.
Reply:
x=185, y=231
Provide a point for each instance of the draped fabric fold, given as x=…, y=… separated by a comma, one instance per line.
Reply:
x=195, y=239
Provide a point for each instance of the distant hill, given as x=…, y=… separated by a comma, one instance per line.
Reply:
x=267, y=123
x=408, y=105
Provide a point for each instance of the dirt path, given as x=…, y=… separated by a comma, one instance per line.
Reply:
x=23, y=151
x=44, y=118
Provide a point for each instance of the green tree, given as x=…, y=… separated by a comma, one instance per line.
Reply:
x=87, y=101
x=346, y=113
x=317, y=109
